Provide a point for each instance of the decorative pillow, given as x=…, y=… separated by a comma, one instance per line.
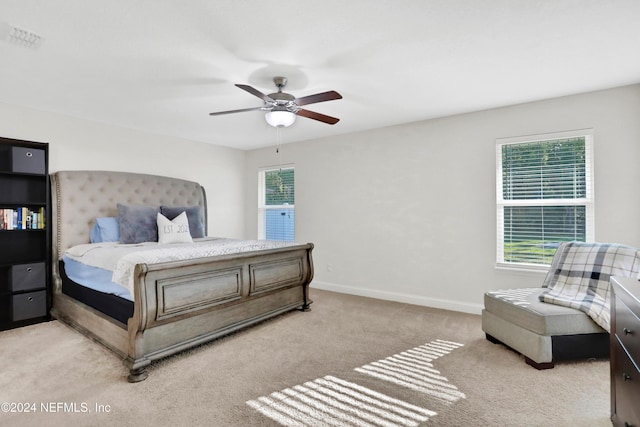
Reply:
x=138, y=223
x=173, y=231
x=195, y=214
x=106, y=229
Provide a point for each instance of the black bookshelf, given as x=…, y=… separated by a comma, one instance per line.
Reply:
x=25, y=239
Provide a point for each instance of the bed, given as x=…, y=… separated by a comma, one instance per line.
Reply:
x=174, y=304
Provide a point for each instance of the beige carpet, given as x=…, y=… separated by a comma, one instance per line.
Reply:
x=350, y=361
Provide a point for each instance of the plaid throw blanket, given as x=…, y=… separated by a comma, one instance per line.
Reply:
x=579, y=276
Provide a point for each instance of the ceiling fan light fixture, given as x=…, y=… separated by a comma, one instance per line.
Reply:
x=280, y=118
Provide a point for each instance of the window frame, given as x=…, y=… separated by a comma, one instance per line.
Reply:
x=588, y=201
x=262, y=206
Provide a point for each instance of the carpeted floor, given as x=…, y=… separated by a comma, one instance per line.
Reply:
x=350, y=361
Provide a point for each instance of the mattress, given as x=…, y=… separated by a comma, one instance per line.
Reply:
x=112, y=305
x=96, y=278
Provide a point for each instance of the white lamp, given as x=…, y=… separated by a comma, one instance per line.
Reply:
x=280, y=118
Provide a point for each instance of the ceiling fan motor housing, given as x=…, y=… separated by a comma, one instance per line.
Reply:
x=282, y=99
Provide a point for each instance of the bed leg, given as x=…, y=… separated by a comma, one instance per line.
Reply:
x=307, y=301
x=137, y=375
x=306, y=306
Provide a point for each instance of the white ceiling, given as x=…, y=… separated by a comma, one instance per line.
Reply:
x=161, y=66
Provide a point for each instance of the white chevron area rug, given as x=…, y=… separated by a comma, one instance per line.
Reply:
x=331, y=401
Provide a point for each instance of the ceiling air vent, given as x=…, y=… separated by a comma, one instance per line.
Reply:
x=19, y=36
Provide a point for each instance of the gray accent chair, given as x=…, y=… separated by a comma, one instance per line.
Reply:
x=543, y=333
x=573, y=320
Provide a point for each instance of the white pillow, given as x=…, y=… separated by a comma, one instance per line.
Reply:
x=176, y=231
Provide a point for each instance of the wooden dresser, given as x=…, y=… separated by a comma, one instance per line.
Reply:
x=625, y=352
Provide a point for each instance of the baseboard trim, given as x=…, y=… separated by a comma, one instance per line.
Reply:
x=444, y=304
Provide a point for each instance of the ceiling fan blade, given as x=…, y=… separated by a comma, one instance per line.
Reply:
x=317, y=116
x=318, y=97
x=242, y=110
x=256, y=92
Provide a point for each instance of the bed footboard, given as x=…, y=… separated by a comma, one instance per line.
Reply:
x=179, y=305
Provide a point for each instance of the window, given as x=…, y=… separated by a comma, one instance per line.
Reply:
x=544, y=196
x=276, y=204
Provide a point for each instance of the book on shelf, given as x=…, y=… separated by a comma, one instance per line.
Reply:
x=22, y=218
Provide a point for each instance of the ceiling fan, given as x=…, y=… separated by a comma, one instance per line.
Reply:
x=282, y=108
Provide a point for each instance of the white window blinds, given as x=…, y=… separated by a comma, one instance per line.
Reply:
x=544, y=195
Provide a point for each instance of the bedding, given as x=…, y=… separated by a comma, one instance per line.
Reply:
x=121, y=259
x=579, y=276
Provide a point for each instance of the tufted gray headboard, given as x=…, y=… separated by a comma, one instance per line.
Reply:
x=79, y=197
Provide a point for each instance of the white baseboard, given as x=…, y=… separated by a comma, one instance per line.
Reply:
x=463, y=307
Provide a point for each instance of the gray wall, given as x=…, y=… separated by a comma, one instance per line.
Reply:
x=404, y=213
x=86, y=145
x=408, y=212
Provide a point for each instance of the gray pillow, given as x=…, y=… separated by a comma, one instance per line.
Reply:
x=195, y=215
x=138, y=223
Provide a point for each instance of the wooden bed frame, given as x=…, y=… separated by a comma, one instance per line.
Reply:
x=179, y=304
